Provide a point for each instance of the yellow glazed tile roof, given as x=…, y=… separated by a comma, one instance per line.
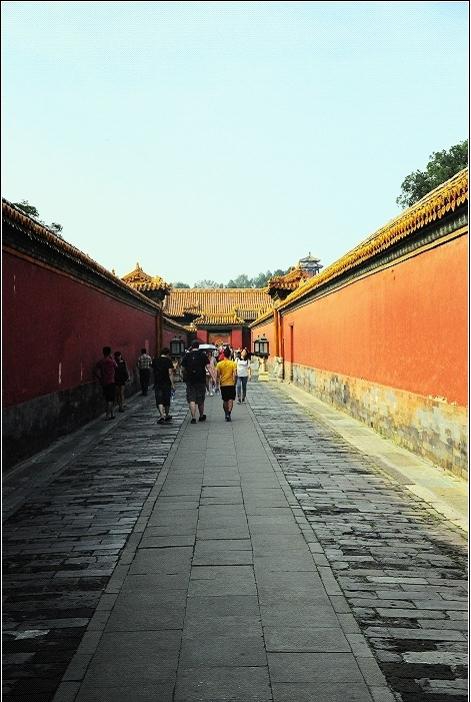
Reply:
x=142, y=281
x=207, y=320
x=435, y=205
x=56, y=243
x=234, y=303
x=290, y=281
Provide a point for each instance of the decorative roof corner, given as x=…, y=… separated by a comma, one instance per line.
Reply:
x=145, y=283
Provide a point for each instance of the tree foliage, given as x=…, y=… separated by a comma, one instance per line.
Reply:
x=241, y=281
x=32, y=211
x=27, y=208
x=441, y=166
x=207, y=284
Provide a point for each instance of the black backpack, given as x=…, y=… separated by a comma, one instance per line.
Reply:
x=193, y=367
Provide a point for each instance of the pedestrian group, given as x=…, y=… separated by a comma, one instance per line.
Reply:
x=205, y=372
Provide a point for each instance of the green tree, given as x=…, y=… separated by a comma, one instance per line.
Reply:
x=242, y=281
x=207, y=284
x=56, y=228
x=27, y=208
x=441, y=166
x=180, y=285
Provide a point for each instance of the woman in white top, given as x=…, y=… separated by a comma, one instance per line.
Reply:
x=243, y=374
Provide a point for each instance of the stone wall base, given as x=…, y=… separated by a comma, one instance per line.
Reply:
x=32, y=426
x=429, y=427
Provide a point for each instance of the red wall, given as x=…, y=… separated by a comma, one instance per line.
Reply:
x=404, y=327
x=236, y=338
x=168, y=334
x=267, y=329
x=55, y=327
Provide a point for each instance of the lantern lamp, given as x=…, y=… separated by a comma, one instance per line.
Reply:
x=177, y=347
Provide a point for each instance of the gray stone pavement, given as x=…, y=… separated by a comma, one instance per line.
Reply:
x=263, y=559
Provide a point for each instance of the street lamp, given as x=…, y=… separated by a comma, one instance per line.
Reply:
x=260, y=349
x=261, y=346
x=177, y=347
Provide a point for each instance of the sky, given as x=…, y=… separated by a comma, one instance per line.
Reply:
x=209, y=139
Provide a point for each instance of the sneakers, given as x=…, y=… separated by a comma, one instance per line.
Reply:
x=168, y=417
x=193, y=421
x=228, y=418
x=239, y=400
x=202, y=418
x=161, y=420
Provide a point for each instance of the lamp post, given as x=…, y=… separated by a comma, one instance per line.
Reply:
x=177, y=351
x=177, y=347
x=261, y=349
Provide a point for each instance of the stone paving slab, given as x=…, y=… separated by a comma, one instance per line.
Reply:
x=68, y=520
x=381, y=550
x=256, y=560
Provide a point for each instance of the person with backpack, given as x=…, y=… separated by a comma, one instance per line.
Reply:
x=194, y=374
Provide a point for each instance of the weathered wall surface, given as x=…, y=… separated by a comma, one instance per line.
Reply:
x=389, y=345
x=54, y=329
x=427, y=426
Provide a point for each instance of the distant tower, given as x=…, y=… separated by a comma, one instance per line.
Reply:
x=310, y=265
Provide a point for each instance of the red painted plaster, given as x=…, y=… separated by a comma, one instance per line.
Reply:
x=403, y=327
x=55, y=327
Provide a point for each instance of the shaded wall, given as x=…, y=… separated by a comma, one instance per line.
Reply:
x=55, y=326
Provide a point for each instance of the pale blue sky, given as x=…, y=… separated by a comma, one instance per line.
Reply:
x=208, y=139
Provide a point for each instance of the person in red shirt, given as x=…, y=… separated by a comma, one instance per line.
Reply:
x=105, y=371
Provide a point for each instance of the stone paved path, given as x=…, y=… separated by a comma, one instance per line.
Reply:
x=259, y=560
x=63, y=536
x=398, y=569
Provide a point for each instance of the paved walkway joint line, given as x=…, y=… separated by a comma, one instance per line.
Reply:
x=262, y=560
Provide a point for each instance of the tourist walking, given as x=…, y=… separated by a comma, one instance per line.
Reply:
x=226, y=371
x=121, y=378
x=194, y=374
x=144, y=363
x=243, y=374
x=163, y=384
x=210, y=374
x=105, y=372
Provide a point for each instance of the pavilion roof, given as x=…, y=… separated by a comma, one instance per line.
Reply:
x=142, y=281
x=289, y=281
x=218, y=305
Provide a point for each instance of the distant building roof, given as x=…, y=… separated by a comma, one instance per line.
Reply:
x=280, y=286
x=142, y=281
x=217, y=306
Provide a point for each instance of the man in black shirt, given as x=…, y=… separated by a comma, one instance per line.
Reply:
x=194, y=368
x=163, y=384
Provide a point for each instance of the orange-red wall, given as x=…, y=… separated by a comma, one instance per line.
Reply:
x=267, y=329
x=55, y=327
x=404, y=327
